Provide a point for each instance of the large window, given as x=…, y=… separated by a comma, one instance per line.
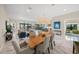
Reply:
x=72, y=28
x=39, y=26
x=25, y=26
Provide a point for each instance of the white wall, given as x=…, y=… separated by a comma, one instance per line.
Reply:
x=2, y=26
x=67, y=18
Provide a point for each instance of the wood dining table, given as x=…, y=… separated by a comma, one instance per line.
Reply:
x=34, y=41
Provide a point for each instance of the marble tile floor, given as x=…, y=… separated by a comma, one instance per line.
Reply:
x=62, y=47
x=8, y=48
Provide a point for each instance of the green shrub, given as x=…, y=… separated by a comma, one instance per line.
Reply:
x=75, y=31
x=68, y=31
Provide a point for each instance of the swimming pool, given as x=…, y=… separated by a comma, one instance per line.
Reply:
x=73, y=37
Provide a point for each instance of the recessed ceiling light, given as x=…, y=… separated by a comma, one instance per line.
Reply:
x=65, y=9
x=29, y=9
x=52, y=4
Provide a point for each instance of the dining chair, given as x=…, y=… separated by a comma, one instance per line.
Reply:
x=52, y=41
x=75, y=47
x=19, y=50
x=44, y=47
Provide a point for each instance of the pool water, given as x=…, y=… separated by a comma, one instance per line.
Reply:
x=72, y=37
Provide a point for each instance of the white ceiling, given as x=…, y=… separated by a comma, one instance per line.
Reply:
x=18, y=11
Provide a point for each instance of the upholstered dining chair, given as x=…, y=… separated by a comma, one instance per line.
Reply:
x=19, y=50
x=44, y=47
x=52, y=41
